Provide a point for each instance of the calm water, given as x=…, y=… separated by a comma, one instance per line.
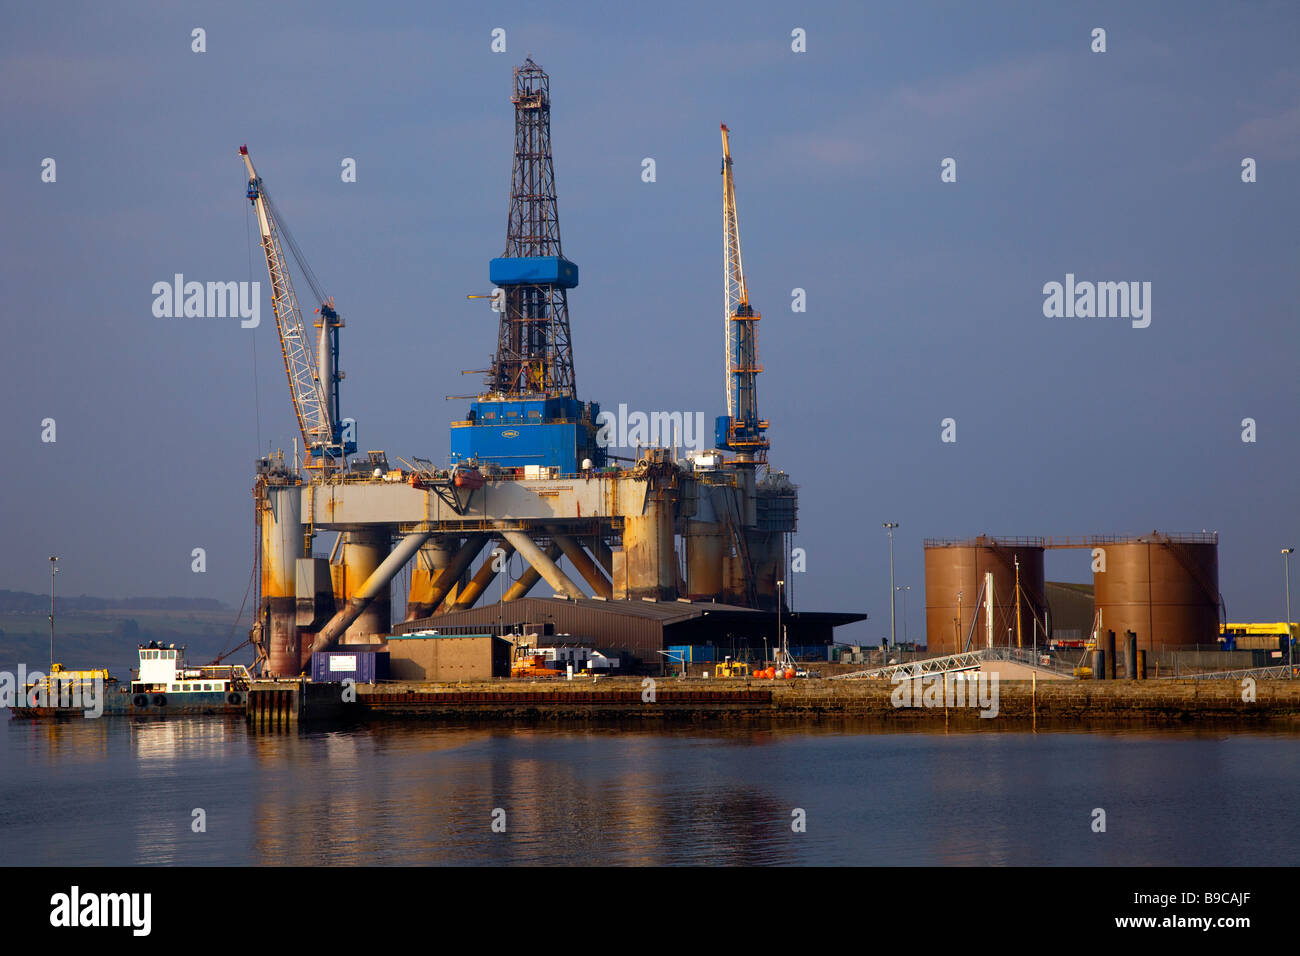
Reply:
x=119, y=792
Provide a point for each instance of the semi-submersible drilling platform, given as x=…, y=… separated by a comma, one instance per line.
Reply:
x=529, y=473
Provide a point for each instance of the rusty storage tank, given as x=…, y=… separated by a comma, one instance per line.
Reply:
x=958, y=567
x=1163, y=587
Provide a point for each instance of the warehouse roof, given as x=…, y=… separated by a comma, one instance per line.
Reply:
x=665, y=612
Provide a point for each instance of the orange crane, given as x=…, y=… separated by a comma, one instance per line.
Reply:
x=740, y=430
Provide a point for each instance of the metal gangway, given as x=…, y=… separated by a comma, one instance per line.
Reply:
x=948, y=664
x=1283, y=671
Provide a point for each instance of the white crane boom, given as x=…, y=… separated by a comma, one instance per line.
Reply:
x=314, y=394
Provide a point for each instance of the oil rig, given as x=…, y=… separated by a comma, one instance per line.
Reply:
x=633, y=548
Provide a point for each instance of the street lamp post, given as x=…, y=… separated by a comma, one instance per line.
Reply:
x=893, y=633
x=904, y=588
x=1286, y=579
x=780, y=634
x=54, y=569
x=501, y=593
x=956, y=646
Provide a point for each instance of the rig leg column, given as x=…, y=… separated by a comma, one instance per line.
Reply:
x=280, y=519
x=364, y=550
x=429, y=563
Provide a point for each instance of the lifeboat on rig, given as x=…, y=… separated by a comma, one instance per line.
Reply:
x=467, y=476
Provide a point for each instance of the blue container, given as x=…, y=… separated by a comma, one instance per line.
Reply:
x=534, y=270
x=553, y=432
x=353, y=663
x=515, y=443
x=720, y=427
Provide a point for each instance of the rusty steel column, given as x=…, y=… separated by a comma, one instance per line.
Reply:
x=581, y=561
x=364, y=550
x=602, y=552
x=280, y=519
x=649, y=551
x=767, y=553
x=436, y=555
x=445, y=583
x=538, y=559
x=530, y=577
x=735, y=579
x=706, y=544
x=485, y=575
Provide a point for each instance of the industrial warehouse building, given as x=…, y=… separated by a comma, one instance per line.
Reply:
x=448, y=657
x=637, y=632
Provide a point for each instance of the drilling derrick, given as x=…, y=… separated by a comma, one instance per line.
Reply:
x=740, y=430
x=534, y=354
x=529, y=413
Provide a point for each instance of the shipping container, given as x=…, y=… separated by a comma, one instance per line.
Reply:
x=533, y=270
x=352, y=663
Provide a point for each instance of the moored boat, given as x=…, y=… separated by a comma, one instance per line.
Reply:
x=165, y=686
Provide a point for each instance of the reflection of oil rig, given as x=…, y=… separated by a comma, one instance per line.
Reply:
x=528, y=477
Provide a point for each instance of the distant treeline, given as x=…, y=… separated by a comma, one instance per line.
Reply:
x=21, y=602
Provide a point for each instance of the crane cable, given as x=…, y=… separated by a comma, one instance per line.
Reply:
x=257, y=400
x=303, y=268
x=231, y=636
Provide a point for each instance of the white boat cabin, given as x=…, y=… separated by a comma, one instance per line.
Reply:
x=163, y=670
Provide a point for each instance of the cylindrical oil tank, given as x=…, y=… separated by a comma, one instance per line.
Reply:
x=280, y=518
x=955, y=568
x=1164, y=588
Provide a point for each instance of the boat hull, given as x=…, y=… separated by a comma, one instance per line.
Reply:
x=125, y=704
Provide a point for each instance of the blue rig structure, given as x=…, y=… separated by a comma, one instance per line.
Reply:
x=529, y=413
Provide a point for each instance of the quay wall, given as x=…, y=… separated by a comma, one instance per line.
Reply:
x=1163, y=701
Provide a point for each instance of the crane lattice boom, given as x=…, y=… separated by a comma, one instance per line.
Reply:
x=310, y=367
x=743, y=428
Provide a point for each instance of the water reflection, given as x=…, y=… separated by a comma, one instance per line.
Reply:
x=121, y=791
x=183, y=738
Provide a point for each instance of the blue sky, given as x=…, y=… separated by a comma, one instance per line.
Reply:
x=924, y=298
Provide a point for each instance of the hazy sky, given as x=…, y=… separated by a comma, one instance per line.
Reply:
x=924, y=298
